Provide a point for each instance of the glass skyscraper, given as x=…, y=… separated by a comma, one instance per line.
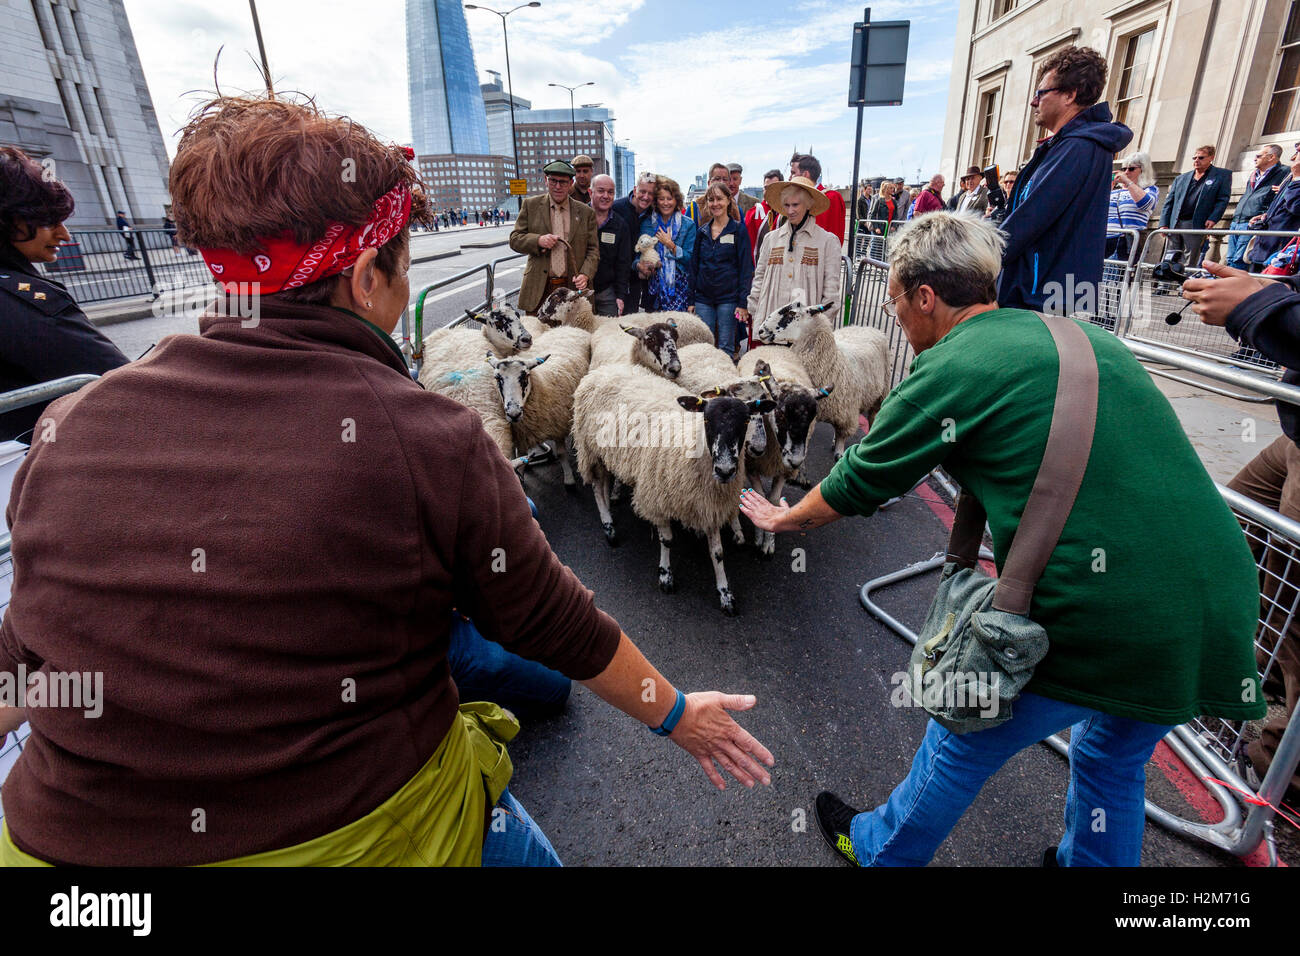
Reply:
x=447, y=113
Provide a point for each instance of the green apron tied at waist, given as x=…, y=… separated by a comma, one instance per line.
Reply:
x=437, y=818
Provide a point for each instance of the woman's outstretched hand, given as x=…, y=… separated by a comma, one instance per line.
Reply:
x=708, y=733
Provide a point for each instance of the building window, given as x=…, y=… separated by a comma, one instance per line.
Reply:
x=988, y=127
x=1282, y=107
x=1002, y=7
x=1130, y=94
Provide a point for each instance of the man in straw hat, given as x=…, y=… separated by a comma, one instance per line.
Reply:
x=559, y=236
x=799, y=254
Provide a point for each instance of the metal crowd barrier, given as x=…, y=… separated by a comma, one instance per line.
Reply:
x=868, y=298
x=11, y=747
x=412, y=343
x=867, y=243
x=102, y=264
x=1208, y=746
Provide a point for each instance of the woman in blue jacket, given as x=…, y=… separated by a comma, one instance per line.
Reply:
x=670, y=287
x=722, y=268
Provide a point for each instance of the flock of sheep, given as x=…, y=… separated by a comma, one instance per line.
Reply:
x=656, y=409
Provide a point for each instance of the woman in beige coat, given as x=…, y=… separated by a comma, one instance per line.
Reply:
x=799, y=254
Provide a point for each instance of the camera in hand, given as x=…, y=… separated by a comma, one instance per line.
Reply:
x=997, y=198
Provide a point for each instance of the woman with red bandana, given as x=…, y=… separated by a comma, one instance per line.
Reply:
x=255, y=536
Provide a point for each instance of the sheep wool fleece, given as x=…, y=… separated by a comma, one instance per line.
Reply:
x=1150, y=599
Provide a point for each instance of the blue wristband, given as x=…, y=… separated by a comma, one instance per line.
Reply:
x=674, y=715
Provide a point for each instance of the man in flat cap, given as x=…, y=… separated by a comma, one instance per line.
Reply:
x=582, y=166
x=559, y=236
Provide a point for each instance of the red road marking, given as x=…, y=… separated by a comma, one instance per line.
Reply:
x=1175, y=771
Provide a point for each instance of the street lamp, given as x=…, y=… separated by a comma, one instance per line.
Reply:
x=510, y=86
x=573, y=124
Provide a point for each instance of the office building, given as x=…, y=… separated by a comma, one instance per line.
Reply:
x=497, y=103
x=545, y=135
x=72, y=92
x=624, y=169
x=447, y=112
x=459, y=181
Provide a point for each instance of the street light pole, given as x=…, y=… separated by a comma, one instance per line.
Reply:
x=510, y=86
x=573, y=123
x=257, y=29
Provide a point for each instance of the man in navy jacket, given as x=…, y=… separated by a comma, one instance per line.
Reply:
x=633, y=209
x=1056, y=222
x=1255, y=199
x=1283, y=215
x=1196, y=200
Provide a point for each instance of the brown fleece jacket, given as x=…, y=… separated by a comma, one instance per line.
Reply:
x=233, y=530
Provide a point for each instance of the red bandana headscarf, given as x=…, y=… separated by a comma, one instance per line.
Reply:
x=285, y=264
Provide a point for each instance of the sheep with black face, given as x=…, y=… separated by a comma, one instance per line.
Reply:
x=682, y=454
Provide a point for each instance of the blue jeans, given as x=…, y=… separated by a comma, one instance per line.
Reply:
x=1104, y=809
x=484, y=670
x=721, y=320
x=1236, y=257
x=514, y=839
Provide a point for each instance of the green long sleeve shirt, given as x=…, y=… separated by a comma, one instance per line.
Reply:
x=1151, y=597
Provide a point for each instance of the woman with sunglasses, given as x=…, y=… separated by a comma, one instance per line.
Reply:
x=1132, y=197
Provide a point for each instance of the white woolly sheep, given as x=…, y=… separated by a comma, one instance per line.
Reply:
x=791, y=424
x=454, y=366
x=537, y=394
x=690, y=327
x=630, y=424
x=503, y=330
x=853, y=360
x=653, y=346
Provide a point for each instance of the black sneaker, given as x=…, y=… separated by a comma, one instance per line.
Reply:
x=1049, y=858
x=833, y=819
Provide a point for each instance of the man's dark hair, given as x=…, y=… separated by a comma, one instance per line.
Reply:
x=1080, y=69
x=807, y=162
x=774, y=173
x=29, y=196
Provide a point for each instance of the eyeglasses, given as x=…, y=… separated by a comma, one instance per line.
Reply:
x=890, y=310
x=1038, y=94
x=1127, y=168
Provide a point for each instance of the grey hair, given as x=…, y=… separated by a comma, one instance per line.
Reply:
x=1148, y=175
x=1275, y=149
x=650, y=178
x=958, y=255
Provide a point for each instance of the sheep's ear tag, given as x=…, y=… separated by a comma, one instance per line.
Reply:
x=820, y=308
x=672, y=325
x=762, y=405
x=824, y=391
x=715, y=391
x=692, y=403
x=472, y=315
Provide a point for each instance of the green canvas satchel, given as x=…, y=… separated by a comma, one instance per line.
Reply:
x=978, y=647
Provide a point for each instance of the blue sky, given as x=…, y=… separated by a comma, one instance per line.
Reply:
x=743, y=82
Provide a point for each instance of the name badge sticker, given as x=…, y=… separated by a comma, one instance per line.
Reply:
x=728, y=240
x=607, y=238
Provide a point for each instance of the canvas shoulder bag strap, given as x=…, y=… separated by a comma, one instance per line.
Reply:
x=1069, y=442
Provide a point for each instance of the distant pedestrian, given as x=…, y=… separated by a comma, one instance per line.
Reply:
x=881, y=219
x=635, y=208
x=1283, y=215
x=834, y=218
x=744, y=201
x=996, y=213
x=930, y=198
x=124, y=227
x=1255, y=200
x=169, y=227
x=722, y=268
x=763, y=218
x=1196, y=200
x=1132, y=199
x=1056, y=219
x=670, y=286
x=44, y=334
x=582, y=171
x=974, y=195
x=614, y=240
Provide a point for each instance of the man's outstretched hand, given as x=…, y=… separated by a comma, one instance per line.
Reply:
x=708, y=733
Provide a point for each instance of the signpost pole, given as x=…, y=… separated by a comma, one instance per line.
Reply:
x=861, y=35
